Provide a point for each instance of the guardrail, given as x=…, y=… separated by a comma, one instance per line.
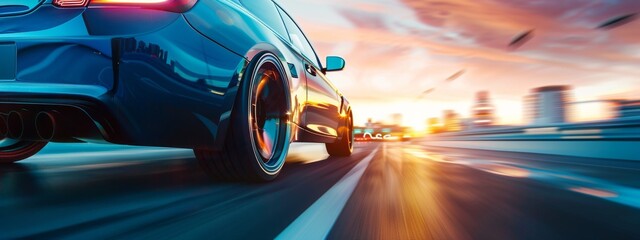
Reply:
x=616, y=139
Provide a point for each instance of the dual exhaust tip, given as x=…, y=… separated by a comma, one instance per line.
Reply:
x=27, y=125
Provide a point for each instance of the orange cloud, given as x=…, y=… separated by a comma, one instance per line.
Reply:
x=396, y=49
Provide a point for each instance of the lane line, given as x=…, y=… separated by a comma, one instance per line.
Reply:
x=317, y=221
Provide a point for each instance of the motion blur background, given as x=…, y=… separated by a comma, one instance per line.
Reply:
x=400, y=54
x=519, y=119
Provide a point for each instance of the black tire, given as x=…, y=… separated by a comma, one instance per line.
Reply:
x=257, y=141
x=343, y=146
x=12, y=150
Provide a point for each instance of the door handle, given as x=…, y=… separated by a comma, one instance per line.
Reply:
x=310, y=69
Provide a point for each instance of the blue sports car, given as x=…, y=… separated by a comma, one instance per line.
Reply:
x=235, y=80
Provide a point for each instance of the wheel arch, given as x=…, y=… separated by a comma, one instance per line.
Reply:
x=245, y=71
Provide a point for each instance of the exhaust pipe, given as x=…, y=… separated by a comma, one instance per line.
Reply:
x=35, y=126
x=20, y=125
x=46, y=125
x=15, y=125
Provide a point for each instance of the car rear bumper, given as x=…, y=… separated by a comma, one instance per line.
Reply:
x=80, y=115
x=90, y=114
x=142, y=84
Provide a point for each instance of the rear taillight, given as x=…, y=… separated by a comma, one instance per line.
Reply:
x=129, y=1
x=70, y=3
x=167, y=5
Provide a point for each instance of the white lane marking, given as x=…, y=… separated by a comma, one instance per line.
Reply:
x=316, y=222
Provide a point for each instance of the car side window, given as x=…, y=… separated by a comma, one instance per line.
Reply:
x=266, y=11
x=298, y=39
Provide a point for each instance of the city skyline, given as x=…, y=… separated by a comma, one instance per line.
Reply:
x=393, y=57
x=538, y=105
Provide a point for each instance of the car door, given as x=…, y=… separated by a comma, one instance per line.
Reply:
x=322, y=107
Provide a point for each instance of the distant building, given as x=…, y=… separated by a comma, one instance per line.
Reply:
x=482, y=111
x=628, y=108
x=435, y=126
x=469, y=124
x=529, y=108
x=369, y=123
x=547, y=105
x=451, y=121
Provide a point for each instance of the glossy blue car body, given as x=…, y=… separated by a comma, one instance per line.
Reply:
x=153, y=76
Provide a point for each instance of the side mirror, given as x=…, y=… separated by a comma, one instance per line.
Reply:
x=334, y=63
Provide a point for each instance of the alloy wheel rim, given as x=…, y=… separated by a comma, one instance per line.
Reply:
x=268, y=126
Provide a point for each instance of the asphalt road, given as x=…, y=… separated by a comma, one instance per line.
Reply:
x=384, y=191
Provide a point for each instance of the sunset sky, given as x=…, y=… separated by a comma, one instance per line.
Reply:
x=396, y=49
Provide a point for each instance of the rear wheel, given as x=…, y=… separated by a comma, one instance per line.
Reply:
x=258, y=139
x=13, y=150
x=344, y=145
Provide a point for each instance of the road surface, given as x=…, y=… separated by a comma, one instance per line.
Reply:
x=394, y=190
